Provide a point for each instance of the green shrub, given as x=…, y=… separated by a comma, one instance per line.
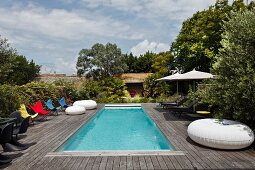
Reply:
x=154, y=88
x=10, y=99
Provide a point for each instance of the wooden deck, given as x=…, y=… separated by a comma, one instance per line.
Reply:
x=46, y=136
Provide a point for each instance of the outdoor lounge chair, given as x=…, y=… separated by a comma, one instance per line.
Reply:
x=38, y=108
x=184, y=109
x=178, y=102
x=63, y=103
x=50, y=106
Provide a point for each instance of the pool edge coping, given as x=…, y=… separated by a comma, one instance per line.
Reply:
x=115, y=153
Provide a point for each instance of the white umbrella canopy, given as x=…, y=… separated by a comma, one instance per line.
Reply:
x=191, y=75
x=169, y=78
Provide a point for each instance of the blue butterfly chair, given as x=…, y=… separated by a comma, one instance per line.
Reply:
x=53, y=109
x=62, y=103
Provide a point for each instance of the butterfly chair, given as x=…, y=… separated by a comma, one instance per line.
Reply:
x=63, y=103
x=38, y=108
x=25, y=114
x=50, y=106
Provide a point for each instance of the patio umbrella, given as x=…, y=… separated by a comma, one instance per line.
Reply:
x=170, y=78
x=194, y=75
x=191, y=75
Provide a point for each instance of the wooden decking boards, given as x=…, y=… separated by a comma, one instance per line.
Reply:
x=46, y=136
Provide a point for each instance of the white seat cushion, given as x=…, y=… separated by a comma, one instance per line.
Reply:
x=75, y=110
x=225, y=134
x=88, y=104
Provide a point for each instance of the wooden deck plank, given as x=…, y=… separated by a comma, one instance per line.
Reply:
x=135, y=162
x=103, y=163
x=142, y=162
x=161, y=162
x=109, y=164
x=123, y=162
x=155, y=163
x=148, y=162
x=129, y=163
x=97, y=162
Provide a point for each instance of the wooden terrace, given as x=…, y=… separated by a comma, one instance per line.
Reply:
x=45, y=137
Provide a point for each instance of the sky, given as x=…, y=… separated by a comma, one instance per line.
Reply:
x=52, y=32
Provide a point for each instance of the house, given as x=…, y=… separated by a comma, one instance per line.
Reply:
x=134, y=82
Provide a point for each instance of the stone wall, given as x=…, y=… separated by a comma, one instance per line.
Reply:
x=51, y=79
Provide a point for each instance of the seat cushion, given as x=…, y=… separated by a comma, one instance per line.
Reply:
x=75, y=110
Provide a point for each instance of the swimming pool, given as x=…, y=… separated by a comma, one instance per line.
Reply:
x=118, y=128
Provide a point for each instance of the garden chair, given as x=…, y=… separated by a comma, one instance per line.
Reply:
x=63, y=103
x=50, y=106
x=184, y=109
x=6, y=134
x=38, y=108
x=180, y=101
x=25, y=114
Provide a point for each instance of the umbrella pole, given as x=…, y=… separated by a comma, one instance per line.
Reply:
x=177, y=88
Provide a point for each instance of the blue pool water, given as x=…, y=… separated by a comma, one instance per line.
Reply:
x=118, y=128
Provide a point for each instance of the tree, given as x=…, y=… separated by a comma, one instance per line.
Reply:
x=144, y=63
x=131, y=62
x=161, y=63
x=100, y=61
x=198, y=42
x=14, y=68
x=23, y=71
x=234, y=89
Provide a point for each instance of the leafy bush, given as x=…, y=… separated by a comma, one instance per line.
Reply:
x=154, y=88
x=12, y=96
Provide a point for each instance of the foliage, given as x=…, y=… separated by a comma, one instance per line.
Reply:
x=198, y=42
x=14, y=68
x=233, y=91
x=154, y=88
x=113, y=90
x=131, y=62
x=12, y=96
x=100, y=61
x=161, y=63
x=141, y=64
x=144, y=63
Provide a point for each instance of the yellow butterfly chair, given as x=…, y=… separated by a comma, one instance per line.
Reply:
x=24, y=112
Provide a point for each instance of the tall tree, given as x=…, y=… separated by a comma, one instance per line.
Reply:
x=101, y=61
x=199, y=39
x=131, y=62
x=144, y=63
x=14, y=68
x=161, y=63
x=234, y=89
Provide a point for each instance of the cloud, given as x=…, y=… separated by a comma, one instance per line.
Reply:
x=60, y=23
x=171, y=9
x=144, y=46
x=53, y=32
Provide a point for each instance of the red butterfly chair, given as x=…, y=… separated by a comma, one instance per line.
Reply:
x=38, y=108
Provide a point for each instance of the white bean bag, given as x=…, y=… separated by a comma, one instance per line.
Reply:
x=88, y=104
x=75, y=110
x=225, y=134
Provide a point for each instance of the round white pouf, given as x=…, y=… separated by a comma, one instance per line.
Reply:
x=75, y=110
x=88, y=104
x=224, y=134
